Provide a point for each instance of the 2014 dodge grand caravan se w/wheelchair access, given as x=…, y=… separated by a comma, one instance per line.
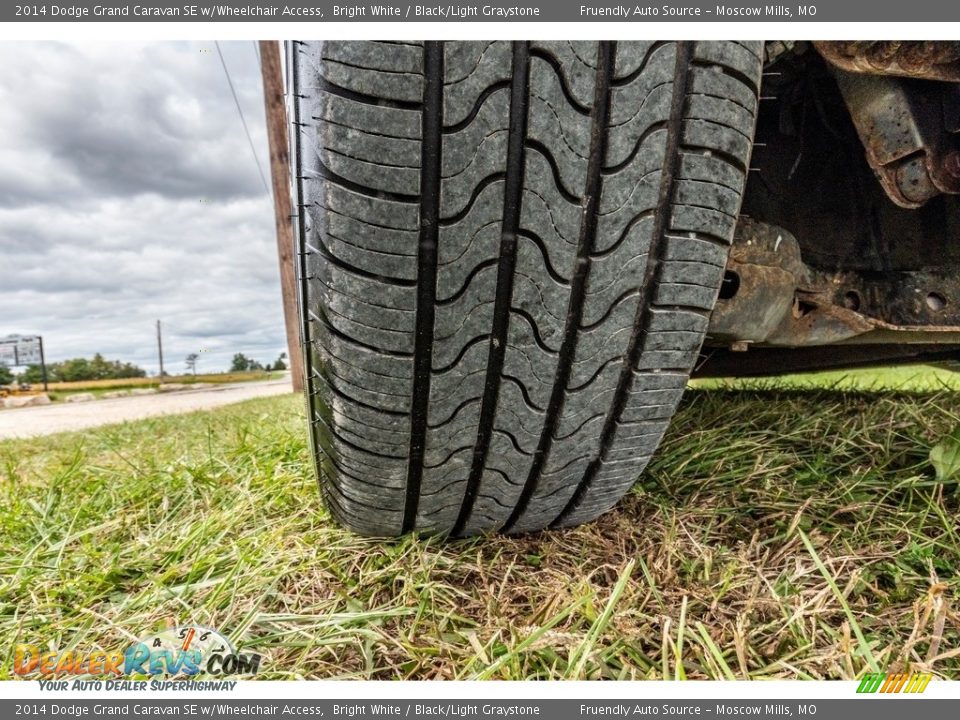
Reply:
x=513, y=255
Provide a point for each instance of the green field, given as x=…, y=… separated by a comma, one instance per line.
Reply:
x=61, y=390
x=904, y=378
x=778, y=534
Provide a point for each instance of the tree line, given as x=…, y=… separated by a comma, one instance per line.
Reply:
x=76, y=369
x=99, y=368
x=241, y=363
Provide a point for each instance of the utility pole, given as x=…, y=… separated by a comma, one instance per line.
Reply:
x=283, y=210
x=43, y=363
x=160, y=350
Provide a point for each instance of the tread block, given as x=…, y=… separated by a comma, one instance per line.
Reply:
x=369, y=68
x=575, y=65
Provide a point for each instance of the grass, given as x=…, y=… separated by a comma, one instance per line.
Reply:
x=778, y=534
x=59, y=391
x=129, y=383
x=903, y=378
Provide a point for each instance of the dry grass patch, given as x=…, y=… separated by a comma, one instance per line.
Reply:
x=777, y=535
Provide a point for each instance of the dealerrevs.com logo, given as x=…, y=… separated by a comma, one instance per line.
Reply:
x=184, y=651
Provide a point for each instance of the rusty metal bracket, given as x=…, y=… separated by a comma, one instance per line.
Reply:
x=771, y=298
x=903, y=126
x=926, y=59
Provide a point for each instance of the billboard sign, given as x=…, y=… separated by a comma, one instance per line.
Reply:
x=20, y=350
x=8, y=354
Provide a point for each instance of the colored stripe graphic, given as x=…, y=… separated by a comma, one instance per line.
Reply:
x=894, y=683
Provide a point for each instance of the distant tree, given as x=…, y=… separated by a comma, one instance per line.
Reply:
x=131, y=370
x=191, y=362
x=100, y=368
x=33, y=374
x=6, y=377
x=280, y=364
x=80, y=369
x=240, y=363
x=72, y=370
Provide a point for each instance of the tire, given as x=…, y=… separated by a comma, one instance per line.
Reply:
x=509, y=255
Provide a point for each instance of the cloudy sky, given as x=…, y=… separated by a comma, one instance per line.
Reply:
x=128, y=193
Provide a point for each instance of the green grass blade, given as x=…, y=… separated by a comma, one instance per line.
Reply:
x=851, y=618
x=578, y=658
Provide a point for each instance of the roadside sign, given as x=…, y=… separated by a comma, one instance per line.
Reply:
x=21, y=350
x=29, y=351
x=8, y=354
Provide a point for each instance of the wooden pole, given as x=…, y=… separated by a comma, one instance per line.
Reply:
x=43, y=365
x=160, y=351
x=283, y=210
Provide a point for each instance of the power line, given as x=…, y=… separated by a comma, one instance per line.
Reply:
x=256, y=50
x=243, y=120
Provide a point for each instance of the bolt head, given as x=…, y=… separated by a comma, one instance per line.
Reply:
x=951, y=163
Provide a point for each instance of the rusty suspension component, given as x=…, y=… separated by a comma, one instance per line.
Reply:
x=771, y=298
x=925, y=59
x=908, y=130
x=907, y=123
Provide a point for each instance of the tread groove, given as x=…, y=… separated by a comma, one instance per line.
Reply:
x=330, y=176
x=431, y=164
x=547, y=155
x=344, y=396
x=606, y=62
x=671, y=165
x=627, y=79
x=542, y=247
x=477, y=107
x=348, y=94
x=324, y=252
x=732, y=72
x=322, y=318
x=510, y=225
x=554, y=63
x=480, y=187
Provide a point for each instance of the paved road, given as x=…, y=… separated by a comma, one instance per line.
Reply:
x=47, y=419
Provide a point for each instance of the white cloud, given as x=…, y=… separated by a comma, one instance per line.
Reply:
x=128, y=192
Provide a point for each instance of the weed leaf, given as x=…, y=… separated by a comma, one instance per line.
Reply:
x=945, y=457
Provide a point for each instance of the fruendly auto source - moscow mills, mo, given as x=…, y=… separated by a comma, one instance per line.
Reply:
x=627, y=12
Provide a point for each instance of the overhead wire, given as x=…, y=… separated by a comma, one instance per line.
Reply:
x=246, y=129
x=256, y=50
